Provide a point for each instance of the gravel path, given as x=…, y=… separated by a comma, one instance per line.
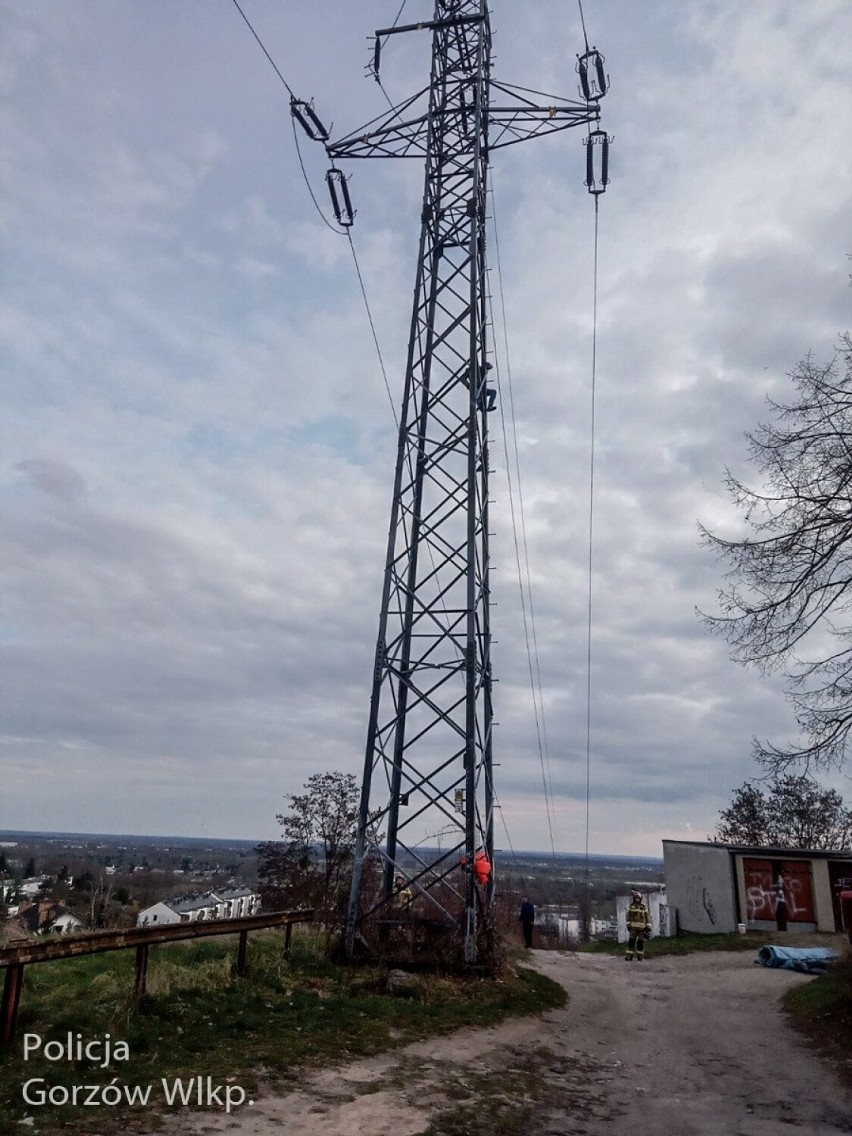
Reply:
x=682, y=1046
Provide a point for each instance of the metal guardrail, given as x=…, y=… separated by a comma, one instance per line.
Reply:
x=15, y=957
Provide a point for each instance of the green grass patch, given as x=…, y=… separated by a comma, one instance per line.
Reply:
x=199, y=1020
x=822, y=1010
x=687, y=942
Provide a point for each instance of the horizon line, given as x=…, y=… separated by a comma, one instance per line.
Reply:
x=258, y=840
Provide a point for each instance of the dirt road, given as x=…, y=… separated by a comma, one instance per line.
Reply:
x=684, y=1046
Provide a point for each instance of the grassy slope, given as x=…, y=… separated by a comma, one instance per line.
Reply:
x=822, y=1010
x=198, y=1019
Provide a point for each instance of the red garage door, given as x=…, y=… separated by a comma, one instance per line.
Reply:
x=761, y=883
x=798, y=891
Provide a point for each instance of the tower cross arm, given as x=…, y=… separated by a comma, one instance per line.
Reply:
x=399, y=133
x=513, y=116
x=405, y=139
x=431, y=25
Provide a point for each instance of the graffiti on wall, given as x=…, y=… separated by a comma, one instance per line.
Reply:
x=768, y=884
x=699, y=901
x=763, y=901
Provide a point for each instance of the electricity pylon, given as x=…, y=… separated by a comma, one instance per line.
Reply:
x=428, y=761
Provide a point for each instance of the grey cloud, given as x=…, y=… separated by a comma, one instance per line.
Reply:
x=55, y=478
x=200, y=437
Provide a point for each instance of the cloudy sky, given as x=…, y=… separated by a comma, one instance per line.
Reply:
x=197, y=443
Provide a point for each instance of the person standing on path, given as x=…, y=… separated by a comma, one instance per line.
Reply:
x=638, y=928
x=526, y=918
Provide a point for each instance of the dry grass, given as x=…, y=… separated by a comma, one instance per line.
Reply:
x=199, y=1018
x=822, y=1010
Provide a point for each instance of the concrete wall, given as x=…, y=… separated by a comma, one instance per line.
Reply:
x=822, y=896
x=700, y=884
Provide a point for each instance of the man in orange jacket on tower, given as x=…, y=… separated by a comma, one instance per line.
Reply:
x=481, y=867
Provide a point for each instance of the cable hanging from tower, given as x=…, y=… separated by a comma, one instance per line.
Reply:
x=522, y=562
x=594, y=83
x=304, y=113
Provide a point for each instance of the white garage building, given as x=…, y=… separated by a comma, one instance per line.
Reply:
x=716, y=887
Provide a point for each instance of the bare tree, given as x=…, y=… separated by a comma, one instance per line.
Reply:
x=795, y=812
x=788, y=601
x=311, y=865
x=744, y=821
x=100, y=896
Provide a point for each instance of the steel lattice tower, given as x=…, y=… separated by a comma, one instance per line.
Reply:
x=428, y=760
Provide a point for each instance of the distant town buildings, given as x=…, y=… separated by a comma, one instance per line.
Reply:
x=29, y=911
x=227, y=903
x=559, y=929
x=45, y=917
x=35, y=884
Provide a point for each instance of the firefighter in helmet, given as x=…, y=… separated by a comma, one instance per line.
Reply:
x=638, y=928
x=403, y=892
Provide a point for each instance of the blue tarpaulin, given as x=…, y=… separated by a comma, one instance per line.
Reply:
x=810, y=960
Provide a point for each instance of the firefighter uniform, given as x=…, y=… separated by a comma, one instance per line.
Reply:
x=404, y=894
x=638, y=928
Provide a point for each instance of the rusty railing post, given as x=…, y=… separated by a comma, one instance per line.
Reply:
x=11, y=1000
x=242, y=951
x=141, y=971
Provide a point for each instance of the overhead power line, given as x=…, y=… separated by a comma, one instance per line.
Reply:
x=263, y=49
x=339, y=231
